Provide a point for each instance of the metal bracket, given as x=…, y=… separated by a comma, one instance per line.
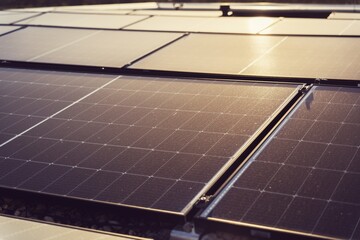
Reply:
x=186, y=233
x=305, y=88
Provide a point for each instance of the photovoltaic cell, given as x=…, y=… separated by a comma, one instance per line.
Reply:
x=83, y=20
x=305, y=178
x=80, y=47
x=12, y=228
x=141, y=142
x=29, y=97
x=290, y=26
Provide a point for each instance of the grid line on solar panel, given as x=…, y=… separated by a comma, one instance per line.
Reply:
x=26, y=102
x=150, y=128
x=63, y=46
x=311, y=160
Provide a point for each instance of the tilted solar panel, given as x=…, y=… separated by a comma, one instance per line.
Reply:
x=309, y=57
x=182, y=13
x=301, y=26
x=32, y=42
x=210, y=53
x=312, y=57
x=204, y=24
x=169, y=23
x=305, y=178
x=140, y=142
x=80, y=47
x=103, y=21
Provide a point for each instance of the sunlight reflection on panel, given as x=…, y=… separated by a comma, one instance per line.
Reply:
x=236, y=25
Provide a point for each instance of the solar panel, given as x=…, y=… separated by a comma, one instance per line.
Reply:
x=6, y=29
x=17, y=229
x=305, y=177
x=92, y=11
x=80, y=47
x=204, y=24
x=141, y=142
x=129, y=47
x=313, y=57
x=83, y=20
x=30, y=97
x=183, y=13
x=12, y=17
x=121, y=6
x=260, y=56
x=221, y=54
x=353, y=29
x=165, y=23
x=344, y=15
x=32, y=42
x=237, y=24
x=290, y=26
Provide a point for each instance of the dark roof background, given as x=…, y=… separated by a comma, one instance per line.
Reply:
x=39, y=3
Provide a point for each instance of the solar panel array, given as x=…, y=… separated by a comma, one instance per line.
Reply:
x=159, y=144
x=305, y=178
x=135, y=141
x=17, y=229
